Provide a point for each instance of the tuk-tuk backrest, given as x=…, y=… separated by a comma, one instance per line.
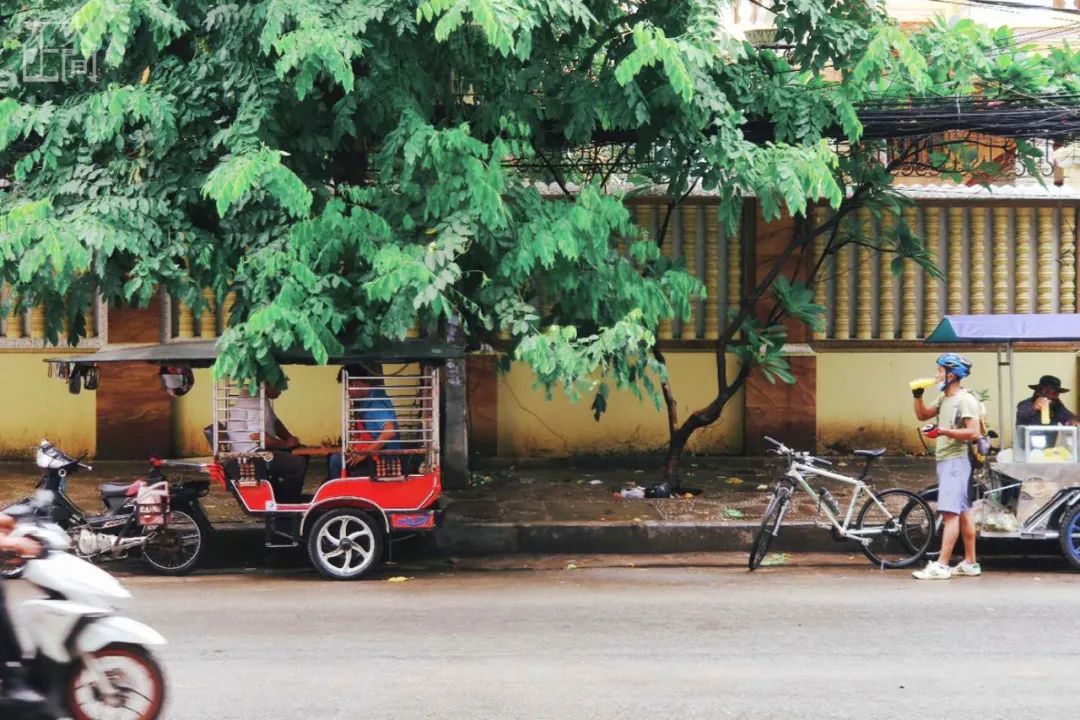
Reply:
x=246, y=471
x=414, y=397
x=236, y=414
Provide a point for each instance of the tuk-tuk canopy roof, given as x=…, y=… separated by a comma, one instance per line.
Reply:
x=1063, y=327
x=203, y=353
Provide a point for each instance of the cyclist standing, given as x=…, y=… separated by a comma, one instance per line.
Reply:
x=956, y=412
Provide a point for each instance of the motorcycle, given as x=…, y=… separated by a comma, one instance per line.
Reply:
x=164, y=522
x=86, y=660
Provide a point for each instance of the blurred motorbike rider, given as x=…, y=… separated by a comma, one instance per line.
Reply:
x=15, y=690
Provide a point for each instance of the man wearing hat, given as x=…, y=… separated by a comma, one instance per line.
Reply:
x=1047, y=395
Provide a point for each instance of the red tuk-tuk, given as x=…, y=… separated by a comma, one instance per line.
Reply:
x=348, y=521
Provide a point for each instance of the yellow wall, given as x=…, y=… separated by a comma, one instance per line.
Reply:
x=531, y=426
x=863, y=398
x=37, y=407
x=310, y=408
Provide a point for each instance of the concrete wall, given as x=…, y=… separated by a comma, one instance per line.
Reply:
x=863, y=399
x=37, y=406
x=530, y=426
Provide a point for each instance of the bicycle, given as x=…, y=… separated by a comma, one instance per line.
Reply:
x=894, y=528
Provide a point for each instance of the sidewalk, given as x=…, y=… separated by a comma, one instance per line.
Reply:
x=545, y=507
x=574, y=507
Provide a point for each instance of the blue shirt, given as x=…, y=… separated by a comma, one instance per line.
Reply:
x=376, y=409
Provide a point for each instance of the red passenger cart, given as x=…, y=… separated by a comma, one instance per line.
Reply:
x=347, y=523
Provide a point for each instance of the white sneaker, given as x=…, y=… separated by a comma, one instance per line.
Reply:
x=933, y=571
x=966, y=568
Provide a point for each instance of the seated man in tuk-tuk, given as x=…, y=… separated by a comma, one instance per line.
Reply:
x=374, y=426
x=1047, y=397
x=243, y=428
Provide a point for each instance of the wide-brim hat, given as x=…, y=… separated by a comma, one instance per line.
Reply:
x=1049, y=381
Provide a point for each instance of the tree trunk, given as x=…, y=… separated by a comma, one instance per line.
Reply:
x=676, y=445
x=679, y=435
x=455, y=445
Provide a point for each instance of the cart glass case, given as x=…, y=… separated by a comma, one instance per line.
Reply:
x=1047, y=443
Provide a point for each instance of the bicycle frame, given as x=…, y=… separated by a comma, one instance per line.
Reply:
x=795, y=473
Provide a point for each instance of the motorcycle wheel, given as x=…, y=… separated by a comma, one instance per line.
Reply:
x=176, y=549
x=133, y=671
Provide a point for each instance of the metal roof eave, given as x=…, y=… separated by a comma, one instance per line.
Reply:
x=203, y=353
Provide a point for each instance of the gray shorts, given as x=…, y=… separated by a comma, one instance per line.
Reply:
x=953, y=476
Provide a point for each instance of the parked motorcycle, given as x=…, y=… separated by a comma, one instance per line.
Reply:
x=88, y=661
x=164, y=522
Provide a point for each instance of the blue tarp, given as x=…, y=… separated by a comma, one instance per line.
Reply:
x=1003, y=328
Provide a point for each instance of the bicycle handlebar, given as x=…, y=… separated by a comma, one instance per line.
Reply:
x=805, y=456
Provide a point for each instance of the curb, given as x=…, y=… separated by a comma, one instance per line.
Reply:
x=236, y=544
x=630, y=538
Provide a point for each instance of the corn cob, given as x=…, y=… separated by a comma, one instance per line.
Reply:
x=922, y=383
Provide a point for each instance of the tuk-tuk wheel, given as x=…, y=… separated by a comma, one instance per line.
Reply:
x=1069, y=536
x=345, y=544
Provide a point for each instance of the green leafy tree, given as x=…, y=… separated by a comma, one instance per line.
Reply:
x=350, y=168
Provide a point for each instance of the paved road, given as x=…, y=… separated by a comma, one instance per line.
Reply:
x=711, y=641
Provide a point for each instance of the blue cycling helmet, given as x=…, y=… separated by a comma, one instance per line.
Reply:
x=958, y=365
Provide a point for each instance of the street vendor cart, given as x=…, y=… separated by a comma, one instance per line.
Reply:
x=384, y=490
x=1031, y=490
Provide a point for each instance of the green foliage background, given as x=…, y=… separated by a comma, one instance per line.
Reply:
x=350, y=167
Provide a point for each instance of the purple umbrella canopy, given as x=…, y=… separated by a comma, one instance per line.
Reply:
x=1063, y=327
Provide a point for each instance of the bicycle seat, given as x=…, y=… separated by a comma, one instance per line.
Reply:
x=875, y=453
x=110, y=490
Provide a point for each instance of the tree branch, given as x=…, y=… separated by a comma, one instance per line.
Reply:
x=670, y=210
x=614, y=166
x=669, y=397
x=608, y=35
x=555, y=174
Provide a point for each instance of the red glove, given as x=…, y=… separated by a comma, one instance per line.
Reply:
x=931, y=431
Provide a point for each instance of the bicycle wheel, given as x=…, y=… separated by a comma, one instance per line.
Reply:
x=898, y=527
x=929, y=494
x=770, y=525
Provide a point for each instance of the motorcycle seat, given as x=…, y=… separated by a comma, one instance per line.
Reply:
x=875, y=453
x=109, y=490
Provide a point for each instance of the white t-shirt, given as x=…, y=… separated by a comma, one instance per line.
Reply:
x=243, y=421
x=271, y=420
